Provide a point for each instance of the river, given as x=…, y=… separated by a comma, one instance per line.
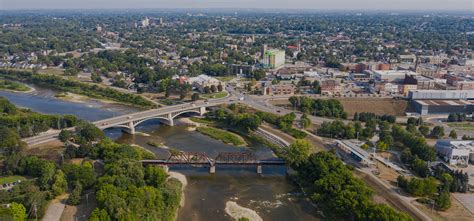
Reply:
x=270, y=194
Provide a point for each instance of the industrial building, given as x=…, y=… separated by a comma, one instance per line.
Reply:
x=456, y=152
x=441, y=94
x=425, y=107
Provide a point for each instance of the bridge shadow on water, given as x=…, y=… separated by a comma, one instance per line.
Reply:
x=230, y=170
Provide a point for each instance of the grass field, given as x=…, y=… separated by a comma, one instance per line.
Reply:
x=466, y=126
x=226, y=79
x=222, y=135
x=214, y=95
x=13, y=86
x=10, y=179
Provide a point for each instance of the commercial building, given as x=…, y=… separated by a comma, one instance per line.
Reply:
x=330, y=86
x=392, y=76
x=279, y=89
x=460, y=82
x=456, y=152
x=273, y=58
x=202, y=81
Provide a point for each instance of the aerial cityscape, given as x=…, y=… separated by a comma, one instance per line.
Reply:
x=237, y=110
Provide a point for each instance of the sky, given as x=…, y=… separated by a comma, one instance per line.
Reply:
x=267, y=4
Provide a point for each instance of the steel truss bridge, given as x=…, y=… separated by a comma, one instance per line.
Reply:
x=223, y=158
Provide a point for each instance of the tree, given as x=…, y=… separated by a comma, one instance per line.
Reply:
x=424, y=130
x=47, y=174
x=99, y=215
x=259, y=74
x=382, y=146
x=95, y=77
x=195, y=97
x=75, y=196
x=18, y=211
x=59, y=183
x=213, y=88
x=305, y=121
x=155, y=176
x=220, y=88
x=65, y=135
x=438, y=131
x=298, y=152
x=9, y=140
x=207, y=90
x=453, y=134
x=89, y=132
x=443, y=201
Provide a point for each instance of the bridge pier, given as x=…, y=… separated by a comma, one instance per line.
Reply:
x=170, y=119
x=202, y=110
x=130, y=129
x=259, y=169
x=212, y=169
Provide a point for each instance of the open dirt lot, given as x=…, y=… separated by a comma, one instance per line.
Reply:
x=377, y=106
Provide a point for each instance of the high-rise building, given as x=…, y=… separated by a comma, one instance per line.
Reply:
x=273, y=58
x=145, y=22
x=263, y=50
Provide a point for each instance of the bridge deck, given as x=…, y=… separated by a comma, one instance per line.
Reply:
x=259, y=162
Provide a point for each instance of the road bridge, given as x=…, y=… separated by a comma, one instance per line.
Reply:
x=223, y=158
x=130, y=121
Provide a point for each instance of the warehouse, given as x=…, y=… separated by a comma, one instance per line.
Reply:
x=441, y=94
x=425, y=107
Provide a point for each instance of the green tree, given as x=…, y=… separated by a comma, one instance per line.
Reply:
x=95, y=77
x=298, y=152
x=453, y=134
x=305, y=121
x=424, y=130
x=18, y=211
x=443, y=201
x=9, y=140
x=89, y=132
x=382, y=146
x=220, y=88
x=59, y=183
x=99, y=215
x=213, y=88
x=438, y=131
x=48, y=170
x=155, y=176
x=65, y=135
x=75, y=196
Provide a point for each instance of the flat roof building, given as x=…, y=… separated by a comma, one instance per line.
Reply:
x=456, y=152
x=392, y=76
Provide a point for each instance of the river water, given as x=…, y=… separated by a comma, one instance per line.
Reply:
x=270, y=194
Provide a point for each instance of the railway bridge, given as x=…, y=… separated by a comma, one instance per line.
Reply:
x=223, y=158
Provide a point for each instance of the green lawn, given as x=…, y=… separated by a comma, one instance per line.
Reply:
x=202, y=120
x=10, y=179
x=226, y=79
x=462, y=126
x=222, y=135
x=217, y=95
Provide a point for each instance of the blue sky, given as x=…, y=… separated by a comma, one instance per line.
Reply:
x=277, y=4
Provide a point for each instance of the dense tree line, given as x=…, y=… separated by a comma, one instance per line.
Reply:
x=319, y=107
x=28, y=123
x=457, y=117
x=284, y=123
x=59, y=83
x=366, y=116
x=333, y=187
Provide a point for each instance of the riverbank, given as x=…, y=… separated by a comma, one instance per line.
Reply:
x=184, y=182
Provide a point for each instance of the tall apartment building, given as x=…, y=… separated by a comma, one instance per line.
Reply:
x=273, y=58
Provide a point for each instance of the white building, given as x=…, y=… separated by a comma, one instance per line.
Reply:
x=456, y=152
x=392, y=76
x=202, y=81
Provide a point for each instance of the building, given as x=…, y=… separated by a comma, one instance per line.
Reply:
x=456, y=152
x=202, y=81
x=414, y=82
x=425, y=107
x=279, y=89
x=330, y=87
x=441, y=94
x=273, y=58
x=407, y=58
x=392, y=76
x=354, y=150
x=460, y=82
x=365, y=76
